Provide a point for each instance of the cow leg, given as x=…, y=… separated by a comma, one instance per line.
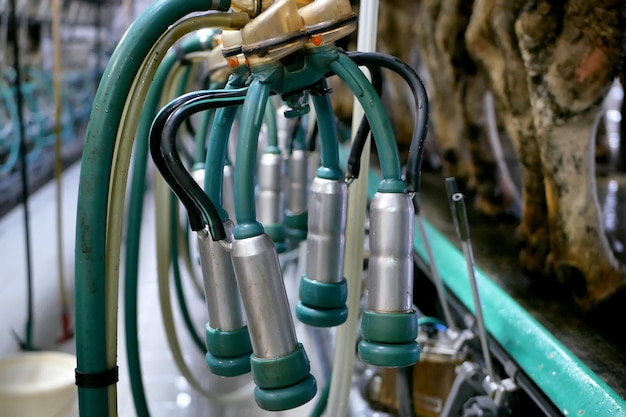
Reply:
x=435, y=29
x=570, y=53
x=491, y=198
x=504, y=68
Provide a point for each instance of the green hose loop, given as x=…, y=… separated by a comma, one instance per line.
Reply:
x=270, y=122
x=251, y=120
x=135, y=213
x=383, y=134
x=204, y=124
x=329, y=145
x=216, y=154
x=108, y=106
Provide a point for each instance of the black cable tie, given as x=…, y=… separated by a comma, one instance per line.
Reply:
x=97, y=380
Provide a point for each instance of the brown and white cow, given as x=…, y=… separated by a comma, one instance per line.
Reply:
x=549, y=65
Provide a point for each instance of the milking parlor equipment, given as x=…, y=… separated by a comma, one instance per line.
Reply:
x=286, y=49
x=283, y=190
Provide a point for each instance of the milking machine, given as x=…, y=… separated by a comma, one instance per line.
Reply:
x=279, y=363
x=266, y=65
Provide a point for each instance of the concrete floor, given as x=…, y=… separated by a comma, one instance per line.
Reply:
x=168, y=393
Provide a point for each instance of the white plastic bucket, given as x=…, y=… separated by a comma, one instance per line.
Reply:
x=38, y=384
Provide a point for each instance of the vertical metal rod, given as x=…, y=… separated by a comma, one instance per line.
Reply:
x=459, y=214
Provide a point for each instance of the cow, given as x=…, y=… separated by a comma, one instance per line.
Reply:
x=549, y=66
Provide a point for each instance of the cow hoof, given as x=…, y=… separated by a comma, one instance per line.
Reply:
x=597, y=288
x=572, y=278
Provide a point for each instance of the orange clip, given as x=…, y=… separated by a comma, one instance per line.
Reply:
x=317, y=40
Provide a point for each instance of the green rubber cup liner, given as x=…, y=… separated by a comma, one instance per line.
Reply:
x=231, y=366
x=288, y=397
x=228, y=343
x=228, y=351
x=389, y=355
x=321, y=317
x=246, y=230
x=297, y=220
x=281, y=372
x=323, y=294
x=295, y=235
x=275, y=231
x=389, y=327
x=296, y=225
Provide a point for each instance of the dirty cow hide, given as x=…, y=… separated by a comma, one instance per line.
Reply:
x=549, y=65
x=456, y=89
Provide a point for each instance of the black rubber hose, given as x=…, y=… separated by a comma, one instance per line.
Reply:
x=200, y=208
x=408, y=74
x=360, y=137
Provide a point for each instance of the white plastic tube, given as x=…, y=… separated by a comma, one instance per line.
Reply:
x=341, y=381
x=119, y=172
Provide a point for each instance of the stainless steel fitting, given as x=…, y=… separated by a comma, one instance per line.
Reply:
x=222, y=294
x=297, y=181
x=390, y=272
x=326, y=233
x=270, y=196
x=228, y=190
x=263, y=293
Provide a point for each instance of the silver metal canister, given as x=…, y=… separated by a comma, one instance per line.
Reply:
x=297, y=181
x=222, y=294
x=270, y=197
x=263, y=293
x=390, y=272
x=326, y=230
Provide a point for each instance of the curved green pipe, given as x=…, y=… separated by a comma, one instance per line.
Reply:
x=299, y=140
x=206, y=121
x=251, y=120
x=217, y=147
x=108, y=106
x=270, y=122
x=135, y=213
x=382, y=131
x=329, y=145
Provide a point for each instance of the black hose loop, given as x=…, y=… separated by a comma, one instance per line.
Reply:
x=200, y=208
x=408, y=74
